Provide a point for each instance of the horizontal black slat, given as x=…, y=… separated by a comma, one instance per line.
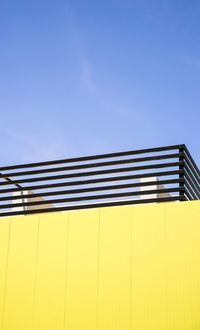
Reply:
x=192, y=177
x=191, y=160
x=191, y=192
x=96, y=205
x=192, y=184
x=93, y=157
x=92, y=165
x=183, y=175
x=188, y=194
x=94, y=181
x=192, y=171
x=191, y=166
x=93, y=189
x=10, y=181
x=89, y=198
x=93, y=173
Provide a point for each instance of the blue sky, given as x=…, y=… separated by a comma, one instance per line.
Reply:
x=82, y=77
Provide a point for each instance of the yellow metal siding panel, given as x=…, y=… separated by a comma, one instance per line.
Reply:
x=122, y=268
x=114, y=305
x=51, y=272
x=4, y=248
x=149, y=308
x=183, y=265
x=18, y=304
x=82, y=271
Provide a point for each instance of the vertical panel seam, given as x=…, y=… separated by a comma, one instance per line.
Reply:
x=131, y=270
x=6, y=274
x=66, y=272
x=36, y=272
x=165, y=265
x=98, y=269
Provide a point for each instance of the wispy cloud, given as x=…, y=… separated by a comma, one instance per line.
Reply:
x=87, y=73
x=80, y=47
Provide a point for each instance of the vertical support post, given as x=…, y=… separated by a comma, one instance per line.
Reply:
x=181, y=175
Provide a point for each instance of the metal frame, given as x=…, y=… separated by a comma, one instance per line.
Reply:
x=175, y=177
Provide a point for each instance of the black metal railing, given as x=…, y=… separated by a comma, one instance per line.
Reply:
x=140, y=176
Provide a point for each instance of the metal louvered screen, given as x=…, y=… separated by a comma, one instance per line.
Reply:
x=131, y=177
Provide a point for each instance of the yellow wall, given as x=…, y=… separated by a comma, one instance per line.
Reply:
x=119, y=268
